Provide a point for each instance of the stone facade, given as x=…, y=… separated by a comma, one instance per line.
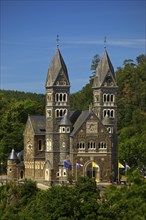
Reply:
x=76, y=142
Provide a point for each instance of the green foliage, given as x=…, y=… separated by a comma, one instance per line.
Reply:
x=82, y=99
x=79, y=202
x=132, y=112
x=94, y=64
x=14, y=108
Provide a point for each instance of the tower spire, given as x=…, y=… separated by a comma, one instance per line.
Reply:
x=57, y=40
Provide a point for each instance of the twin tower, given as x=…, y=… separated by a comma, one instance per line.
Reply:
x=79, y=142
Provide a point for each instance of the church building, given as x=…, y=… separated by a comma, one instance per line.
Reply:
x=67, y=143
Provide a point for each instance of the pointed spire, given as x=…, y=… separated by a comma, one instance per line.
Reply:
x=13, y=155
x=56, y=67
x=104, y=67
x=65, y=120
x=106, y=120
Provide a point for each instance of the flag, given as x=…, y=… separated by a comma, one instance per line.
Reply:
x=120, y=165
x=67, y=165
x=127, y=166
x=78, y=165
x=94, y=164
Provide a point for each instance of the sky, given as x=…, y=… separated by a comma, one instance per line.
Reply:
x=28, y=38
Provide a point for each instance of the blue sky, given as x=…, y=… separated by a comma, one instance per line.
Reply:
x=29, y=30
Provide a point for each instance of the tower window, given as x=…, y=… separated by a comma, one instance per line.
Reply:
x=109, y=112
x=40, y=145
x=60, y=112
x=61, y=97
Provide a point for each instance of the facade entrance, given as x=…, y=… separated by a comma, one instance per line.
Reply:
x=92, y=172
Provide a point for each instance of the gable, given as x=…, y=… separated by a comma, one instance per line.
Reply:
x=62, y=78
x=28, y=128
x=109, y=80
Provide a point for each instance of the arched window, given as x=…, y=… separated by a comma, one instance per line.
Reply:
x=91, y=145
x=104, y=97
x=64, y=97
x=60, y=97
x=81, y=145
x=112, y=98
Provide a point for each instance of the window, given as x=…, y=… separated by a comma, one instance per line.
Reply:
x=108, y=98
x=109, y=112
x=91, y=145
x=64, y=172
x=60, y=112
x=102, y=145
x=40, y=145
x=81, y=145
x=68, y=129
x=61, y=97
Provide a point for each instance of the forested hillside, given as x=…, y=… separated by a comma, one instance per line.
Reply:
x=15, y=107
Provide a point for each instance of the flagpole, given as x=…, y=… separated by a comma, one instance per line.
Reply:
x=125, y=168
x=118, y=174
x=76, y=170
x=92, y=170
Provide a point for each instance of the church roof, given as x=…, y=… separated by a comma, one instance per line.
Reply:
x=104, y=67
x=65, y=120
x=57, y=65
x=13, y=155
x=38, y=124
x=80, y=120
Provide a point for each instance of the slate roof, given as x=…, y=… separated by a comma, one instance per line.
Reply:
x=105, y=66
x=77, y=118
x=55, y=67
x=13, y=155
x=65, y=120
x=40, y=155
x=80, y=120
x=38, y=124
x=106, y=120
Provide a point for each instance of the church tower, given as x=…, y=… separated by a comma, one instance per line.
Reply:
x=57, y=105
x=105, y=103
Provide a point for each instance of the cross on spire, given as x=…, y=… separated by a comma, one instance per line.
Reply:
x=105, y=42
x=57, y=40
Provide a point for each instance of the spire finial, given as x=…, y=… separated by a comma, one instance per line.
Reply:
x=57, y=40
x=105, y=42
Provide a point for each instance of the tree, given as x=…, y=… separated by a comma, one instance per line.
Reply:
x=94, y=64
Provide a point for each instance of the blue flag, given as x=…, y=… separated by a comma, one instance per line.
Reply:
x=67, y=165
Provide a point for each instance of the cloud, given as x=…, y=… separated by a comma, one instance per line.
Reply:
x=113, y=42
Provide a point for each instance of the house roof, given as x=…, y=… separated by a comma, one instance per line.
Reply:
x=80, y=120
x=65, y=120
x=77, y=118
x=13, y=155
x=38, y=124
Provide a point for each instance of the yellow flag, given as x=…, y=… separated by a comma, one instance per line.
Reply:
x=120, y=165
x=94, y=164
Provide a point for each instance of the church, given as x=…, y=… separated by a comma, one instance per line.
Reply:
x=66, y=143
